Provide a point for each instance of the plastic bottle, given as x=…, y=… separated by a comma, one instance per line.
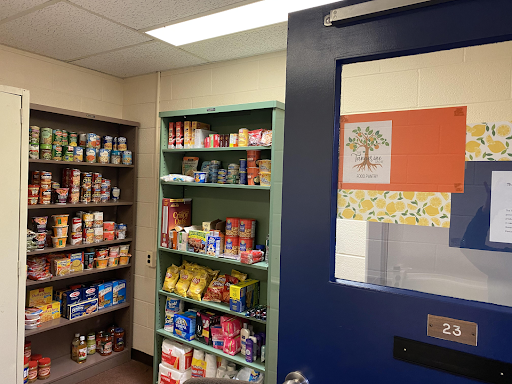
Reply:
x=249, y=350
x=244, y=335
x=74, y=347
x=254, y=348
x=263, y=353
x=82, y=350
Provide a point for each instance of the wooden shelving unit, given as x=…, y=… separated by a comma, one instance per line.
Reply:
x=53, y=338
x=218, y=201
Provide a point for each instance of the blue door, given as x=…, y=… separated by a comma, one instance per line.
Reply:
x=387, y=284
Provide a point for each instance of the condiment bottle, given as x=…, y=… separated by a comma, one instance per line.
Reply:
x=32, y=371
x=43, y=371
x=91, y=343
x=99, y=342
x=74, y=347
x=119, y=340
x=82, y=351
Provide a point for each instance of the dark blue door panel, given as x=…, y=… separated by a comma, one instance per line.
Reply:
x=344, y=333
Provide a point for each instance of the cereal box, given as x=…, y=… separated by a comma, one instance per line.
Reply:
x=172, y=136
x=180, y=213
x=118, y=292
x=214, y=245
x=39, y=296
x=244, y=295
x=179, y=134
x=105, y=295
x=185, y=325
x=76, y=262
x=50, y=311
x=197, y=241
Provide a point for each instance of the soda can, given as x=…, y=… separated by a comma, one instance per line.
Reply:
x=57, y=137
x=57, y=152
x=127, y=157
x=243, y=178
x=65, y=137
x=107, y=142
x=91, y=140
x=121, y=144
x=78, y=154
x=243, y=165
x=46, y=136
x=82, y=140
x=69, y=153
x=73, y=139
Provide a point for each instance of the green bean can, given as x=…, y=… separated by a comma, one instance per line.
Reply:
x=73, y=139
x=65, y=137
x=57, y=137
x=68, y=152
x=57, y=152
x=46, y=136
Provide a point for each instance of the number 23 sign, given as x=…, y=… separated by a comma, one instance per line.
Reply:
x=445, y=328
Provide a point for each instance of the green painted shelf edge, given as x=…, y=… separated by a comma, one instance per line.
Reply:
x=262, y=265
x=214, y=185
x=224, y=108
x=238, y=359
x=220, y=149
x=209, y=304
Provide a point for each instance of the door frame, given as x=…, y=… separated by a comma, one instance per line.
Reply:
x=315, y=58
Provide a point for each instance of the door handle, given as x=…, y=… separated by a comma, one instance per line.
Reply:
x=295, y=378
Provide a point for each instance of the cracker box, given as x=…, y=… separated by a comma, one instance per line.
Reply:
x=118, y=292
x=205, y=320
x=197, y=241
x=76, y=262
x=39, y=296
x=89, y=293
x=185, y=325
x=172, y=136
x=82, y=308
x=179, y=134
x=50, y=311
x=244, y=295
x=104, y=295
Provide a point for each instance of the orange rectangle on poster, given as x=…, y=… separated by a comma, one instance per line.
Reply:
x=427, y=150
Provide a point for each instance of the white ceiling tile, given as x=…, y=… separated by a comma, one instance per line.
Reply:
x=144, y=14
x=66, y=32
x=11, y=7
x=144, y=58
x=242, y=44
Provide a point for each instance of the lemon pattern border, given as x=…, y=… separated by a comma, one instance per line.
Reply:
x=431, y=209
x=489, y=141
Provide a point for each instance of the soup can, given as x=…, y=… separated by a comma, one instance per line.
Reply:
x=243, y=165
x=115, y=157
x=76, y=238
x=104, y=196
x=121, y=144
x=74, y=195
x=243, y=137
x=46, y=136
x=57, y=152
x=242, y=178
x=247, y=228
x=33, y=151
x=73, y=139
x=90, y=155
x=97, y=178
x=69, y=152
x=86, y=195
x=78, y=154
x=34, y=132
x=65, y=140
x=74, y=177
x=127, y=157
x=107, y=142
x=232, y=226
x=45, y=154
x=88, y=236
x=57, y=137
x=86, y=179
x=91, y=140
x=82, y=140
x=104, y=156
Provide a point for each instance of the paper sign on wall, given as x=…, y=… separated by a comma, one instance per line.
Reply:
x=501, y=207
x=367, y=155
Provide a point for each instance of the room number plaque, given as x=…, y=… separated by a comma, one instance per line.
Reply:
x=460, y=331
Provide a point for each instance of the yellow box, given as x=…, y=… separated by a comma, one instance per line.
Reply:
x=40, y=296
x=244, y=295
x=50, y=311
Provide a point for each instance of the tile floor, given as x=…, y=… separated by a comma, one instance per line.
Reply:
x=132, y=372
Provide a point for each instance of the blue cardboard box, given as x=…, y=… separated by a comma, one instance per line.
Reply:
x=89, y=293
x=81, y=308
x=118, y=292
x=185, y=325
x=105, y=296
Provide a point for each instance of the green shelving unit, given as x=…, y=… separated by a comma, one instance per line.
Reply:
x=218, y=201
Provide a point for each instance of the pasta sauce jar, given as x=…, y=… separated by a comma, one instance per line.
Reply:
x=106, y=344
x=119, y=340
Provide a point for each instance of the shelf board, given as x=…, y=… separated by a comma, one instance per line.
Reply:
x=81, y=163
x=79, y=246
x=221, y=149
x=80, y=205
x=221, y=307
x=238, y=359
x=63, y=367
x=85, y=272
x=214, y=185
x=62, y=322
x=261, y=265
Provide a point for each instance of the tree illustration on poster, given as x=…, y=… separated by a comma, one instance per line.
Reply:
x=369, y=141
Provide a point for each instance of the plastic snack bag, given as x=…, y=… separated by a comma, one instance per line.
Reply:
x=189, y=165
x=266, y=138
x=229, y=281
x=184, y=282
x=171, y=278
x=239, y=275
x=197, y=285
x=215, y=290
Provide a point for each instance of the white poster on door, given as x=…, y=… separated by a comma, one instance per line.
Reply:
x=367, y=152
x=501, y=207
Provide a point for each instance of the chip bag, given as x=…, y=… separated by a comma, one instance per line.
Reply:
x=239, y=275
x=171, y=278
x=198, y=284
x=226, y=292
x=184, y=282
x=215, y=290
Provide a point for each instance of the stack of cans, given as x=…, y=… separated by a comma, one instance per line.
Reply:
x=213, y=171
x=243, y=172
x=222, y=176
x=233, y=174
x=34, y=142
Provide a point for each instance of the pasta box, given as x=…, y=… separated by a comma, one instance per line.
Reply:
x=118, y=292
x=82, y=308
x=185, y=325
x=70, y=297
x=104, y=295
x=89, y=293
x=243, y=295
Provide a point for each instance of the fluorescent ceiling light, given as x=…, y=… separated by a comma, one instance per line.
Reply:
x=255, y=15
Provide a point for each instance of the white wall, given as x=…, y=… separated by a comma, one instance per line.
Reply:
x=479, y=77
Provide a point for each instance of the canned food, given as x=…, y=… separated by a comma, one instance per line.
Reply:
x=114, y=144
x=65, y=137
x=57, y=137
x=91, y=140
x=121, y=144
x=33, y=151
x=232, y=245
x=74, y=178
x=86, y=195
x=107, y=142
x=116, y=192
x=74, y=195
x=233, y=140
x=247, y=228
x=86, y=179
x=82, y=139
x=115, y=157
x=46, y=136
x=90, y=155
x=57, y=152
x=246, y=244
x=76, y=238
x=35, y=177
x=88, y=260
x=98, y=235
x=76, y=224
x=232, y=226
x=69, y=153
x=105, y=196
x=243, y=165
x=243, y=137
x=34, y=132
x=216, y=140
x=78, y=154
x=88, y=236
x=73, y=139
x=242, y=178
x=96, y=178
x=104, y=156
x=127, y=157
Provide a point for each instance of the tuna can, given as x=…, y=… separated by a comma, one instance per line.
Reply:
x=33, y=151
x=243, y=178
x=243, y=165
x=90, y=155
x=121, y=144
x=104, y=156
x=247, y=228
x=222, y=176
x=34, y=132
x=78, y=154
x=115, y=157
x=69, y=153
x=57, y=137
x=57, y=152
x=82, y=139
x=107, y=142
x=46, y=136
x=246, y=244
x=65, y=140
x=232, y=245
x=232, y=226
x=73, y=139
x=127, y=157
x=91, y=140
x=243, y=137
x=233, y=167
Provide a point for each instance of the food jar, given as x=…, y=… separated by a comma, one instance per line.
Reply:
x=118, y=340
x=91, y=343
x=106, y=344
x=28, y=349
x=32, y=371
x=99, y=345
x=44, y=368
